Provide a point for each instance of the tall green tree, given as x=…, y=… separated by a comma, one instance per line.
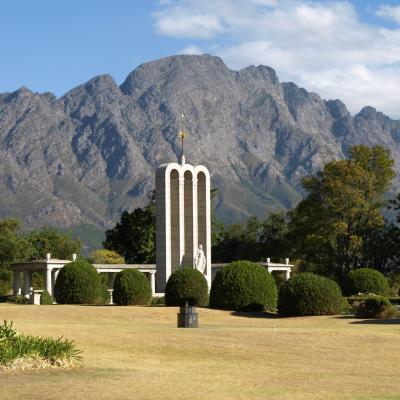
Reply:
x=332, y=228
x=239, y=241
x=12, y=246
x=273, y=242
x=134, y=235
x=51, y=240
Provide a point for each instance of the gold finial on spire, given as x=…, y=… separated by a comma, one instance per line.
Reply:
x=182, y=135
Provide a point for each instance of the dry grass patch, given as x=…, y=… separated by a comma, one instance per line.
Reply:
x=138, y=353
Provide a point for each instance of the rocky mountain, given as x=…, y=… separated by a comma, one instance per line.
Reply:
x=77, y=161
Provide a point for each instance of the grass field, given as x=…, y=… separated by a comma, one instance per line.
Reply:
x=138, y=353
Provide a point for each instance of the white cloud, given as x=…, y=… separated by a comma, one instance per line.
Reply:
x=191, y=50
x=182, y=22
x=323, y=46
x=389, y=12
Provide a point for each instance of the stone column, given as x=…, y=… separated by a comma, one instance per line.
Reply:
x=111, y=280
x=17, y=283
x=54, y=275
x=48, y=280
x=153, y=282
x=287, y=274
x=27, y=284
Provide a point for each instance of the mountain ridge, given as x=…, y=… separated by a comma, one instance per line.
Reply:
x=85, y=156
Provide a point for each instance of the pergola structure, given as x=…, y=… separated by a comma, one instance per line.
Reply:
x=51, y=267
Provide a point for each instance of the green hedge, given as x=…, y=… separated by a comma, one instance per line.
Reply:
x=131, y=287
x=366, y=280
x=78, y=282
x=243, y=286
x=46, y=298
x=186, y=285
x=310, y=294
x=374, y=307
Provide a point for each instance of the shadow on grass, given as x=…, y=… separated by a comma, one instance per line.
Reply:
x=391, y=321
x=255, y=314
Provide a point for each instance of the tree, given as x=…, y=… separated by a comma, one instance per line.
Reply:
x=273, y=241
x=104, y=256
x=134, y=235
x=54, y=241
x=12, y=246
x=332, y=228
x=238, y=242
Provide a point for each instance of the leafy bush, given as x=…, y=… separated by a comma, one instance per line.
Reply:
x=186, y=285
x=366, y=280
x=310, y=294
x=77, y=283
x=18, y=350
x=18, y=299
x=158, y=301
x=103, y=296
x=5, y=281
x=374, y=307
x=46, y=298
x=131, y=287
x=243, y=285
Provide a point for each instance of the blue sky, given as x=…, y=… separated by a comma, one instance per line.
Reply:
x=340, y=49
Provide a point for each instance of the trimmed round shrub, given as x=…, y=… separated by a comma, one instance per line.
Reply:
x=310, y=294
x=366, y=280
x=131, y=287
x=374, y=307
x=243, y=286
x=186, y=285
x=78, y=282
x=46, y=298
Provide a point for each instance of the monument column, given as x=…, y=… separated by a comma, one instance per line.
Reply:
x=181, y=217
x=195, y=218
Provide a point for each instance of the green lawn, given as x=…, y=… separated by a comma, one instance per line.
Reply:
x=138, y=353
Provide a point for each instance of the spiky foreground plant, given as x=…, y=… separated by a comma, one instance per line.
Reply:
x=19, y=351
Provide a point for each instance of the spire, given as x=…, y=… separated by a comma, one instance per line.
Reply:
x=182, y=135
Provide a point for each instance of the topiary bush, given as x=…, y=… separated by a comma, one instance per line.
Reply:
x=310, y=294
x=374, y=307
x=366, y=280
x=78, y=282
x=46, y=298
x=186, y=285
x=243, y=286
x=131, y=287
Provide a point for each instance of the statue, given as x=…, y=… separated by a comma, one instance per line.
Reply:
x=200, y=260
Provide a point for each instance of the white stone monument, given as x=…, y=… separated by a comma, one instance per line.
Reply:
x=183, y=218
